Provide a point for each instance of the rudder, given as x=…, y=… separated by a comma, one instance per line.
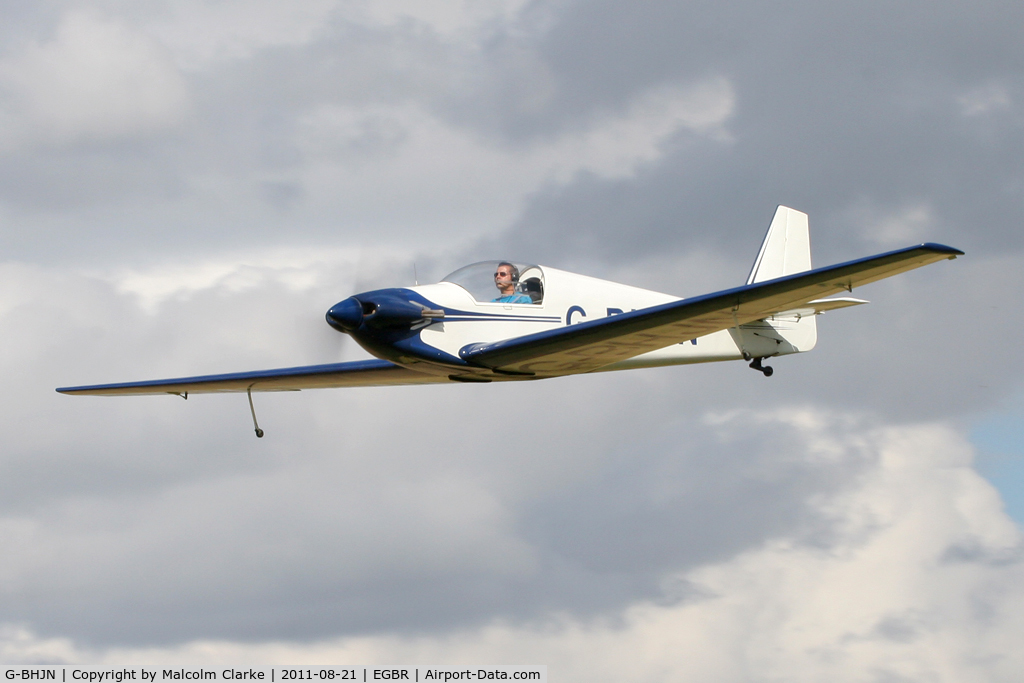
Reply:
x=786, y=248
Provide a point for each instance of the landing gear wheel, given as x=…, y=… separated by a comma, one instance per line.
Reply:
x=259, y=432
x=766, y=370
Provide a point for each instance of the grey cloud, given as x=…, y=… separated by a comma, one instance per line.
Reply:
x=361, y=511
x=837, y=105
x=974, y=550
x=902, y=629
x=838, y=108
x=851, y=114
x=218, y=176
x=420, y=510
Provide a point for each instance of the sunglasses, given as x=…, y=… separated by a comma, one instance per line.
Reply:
x=501, y=274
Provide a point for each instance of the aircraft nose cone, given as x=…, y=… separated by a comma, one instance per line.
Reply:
x=346, y=315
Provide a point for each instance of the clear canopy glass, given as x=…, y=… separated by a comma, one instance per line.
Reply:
x=478, y=280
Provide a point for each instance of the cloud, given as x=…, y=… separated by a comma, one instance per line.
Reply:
x=186, y=188
x=95, y=81
x=446, y=17
x=985, y=99
x=173, y=505
x=822, y=122
x=203, y=36
x=433, y=168
x=206, y=36
x=885, y=594
x=615, y=145
x=299, y=270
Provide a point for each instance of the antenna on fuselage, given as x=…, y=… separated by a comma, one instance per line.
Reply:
x=415, y=276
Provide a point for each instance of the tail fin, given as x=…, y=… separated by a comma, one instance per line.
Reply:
x=786, y=248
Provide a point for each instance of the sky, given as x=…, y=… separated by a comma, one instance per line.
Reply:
x=186, y=188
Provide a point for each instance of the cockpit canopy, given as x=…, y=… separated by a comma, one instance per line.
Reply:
x=478, y=280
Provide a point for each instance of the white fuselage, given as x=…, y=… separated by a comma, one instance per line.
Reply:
x=571, y=299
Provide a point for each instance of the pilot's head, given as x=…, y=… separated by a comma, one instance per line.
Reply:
x=506, y=276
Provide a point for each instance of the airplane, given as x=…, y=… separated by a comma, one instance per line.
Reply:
x=501, y=321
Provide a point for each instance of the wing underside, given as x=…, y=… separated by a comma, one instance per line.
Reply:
x=353, y=374
x=590, y=345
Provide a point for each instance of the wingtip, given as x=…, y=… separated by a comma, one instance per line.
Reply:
x=71, y=391
x=942, y=249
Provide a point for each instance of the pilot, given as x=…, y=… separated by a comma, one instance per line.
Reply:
x=505, y=278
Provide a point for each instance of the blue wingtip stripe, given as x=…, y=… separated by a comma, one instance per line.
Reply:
x=942, y=248
x=256, y=375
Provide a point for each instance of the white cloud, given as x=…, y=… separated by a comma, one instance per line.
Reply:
x=96, y=80
x=369, y=161
x=296, y=269
x=612, y=145
x=615, y=145
x=984, y=99
x=892, y=226
x=204, y=34
x=792, y=544
x=923, y=581
x=450, y=17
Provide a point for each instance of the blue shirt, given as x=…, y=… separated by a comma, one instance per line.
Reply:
x=513, y=299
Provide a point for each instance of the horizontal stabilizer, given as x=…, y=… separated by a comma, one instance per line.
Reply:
x=822, y=305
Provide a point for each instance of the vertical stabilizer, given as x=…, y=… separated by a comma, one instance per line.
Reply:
x=786, y=248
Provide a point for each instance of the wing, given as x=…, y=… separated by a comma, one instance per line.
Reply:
x=591, y=345
x=356, y=374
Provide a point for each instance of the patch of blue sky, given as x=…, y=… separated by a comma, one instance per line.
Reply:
x=999, y=438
